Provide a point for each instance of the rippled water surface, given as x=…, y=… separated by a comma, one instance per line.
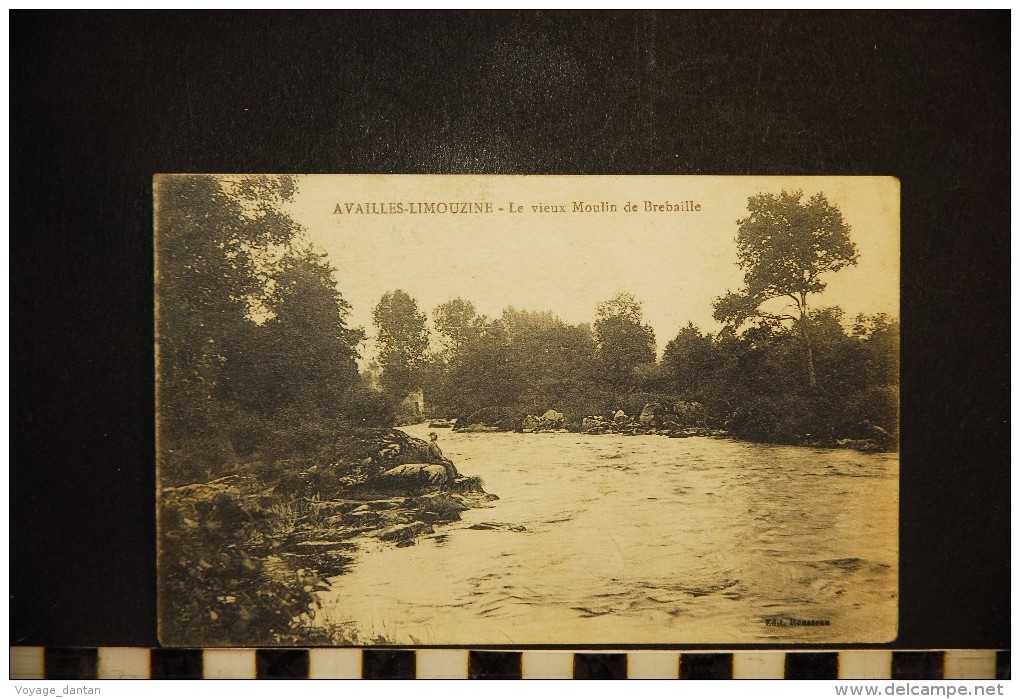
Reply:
x=644, y=539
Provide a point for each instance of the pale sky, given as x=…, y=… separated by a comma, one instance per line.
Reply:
x=675, y=263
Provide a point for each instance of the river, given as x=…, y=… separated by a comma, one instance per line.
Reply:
x=626, y=540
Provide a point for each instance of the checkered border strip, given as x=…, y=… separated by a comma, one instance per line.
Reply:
x=342, y=663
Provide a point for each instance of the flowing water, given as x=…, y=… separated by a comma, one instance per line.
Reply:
x=614, y=539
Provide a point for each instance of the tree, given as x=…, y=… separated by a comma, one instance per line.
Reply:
x=456, y=323
x=689, y=362
x=252, y=332
x=308, y=355
x=785, y=247
x=550, y=359
x=453, y=321
x=623, y=340
x=880, y=336
x=208, y=235
x=403, y=341
x=481, y=375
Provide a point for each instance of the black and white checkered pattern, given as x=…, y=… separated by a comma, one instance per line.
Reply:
x=344, y=663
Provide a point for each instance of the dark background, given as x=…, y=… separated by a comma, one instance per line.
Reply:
x=101, y=101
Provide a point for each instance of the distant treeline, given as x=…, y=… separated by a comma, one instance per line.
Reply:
x=777, y=371
x=258, y=362
x=751, y=383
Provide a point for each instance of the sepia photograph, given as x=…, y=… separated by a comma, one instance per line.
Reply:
x=526, y=410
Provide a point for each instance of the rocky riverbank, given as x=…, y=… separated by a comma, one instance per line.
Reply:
x=325, y=537
x=251, y=550
x=676, y=420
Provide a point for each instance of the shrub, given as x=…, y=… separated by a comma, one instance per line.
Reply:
x=214, y=587
x=503, y=417
x=364, y=407
x=196, y=460
x=789, y=419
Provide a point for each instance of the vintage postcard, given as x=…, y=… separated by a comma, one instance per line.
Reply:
x=535, y=410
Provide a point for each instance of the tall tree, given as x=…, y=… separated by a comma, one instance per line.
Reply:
x=309, y=355
x=551, y=360
x=403, y=342
x=785, y=246
x=688, y=362
x=623, y=340
x=454, y=321
x=481, y=374
x=249, y=316
x=207, y=235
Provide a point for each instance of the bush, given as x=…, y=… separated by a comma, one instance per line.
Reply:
x=214, y=587
x=880, y=405
x=249, y=432
x=788, y=419
x=364, y=407
x=196, y=460
x=504, y=418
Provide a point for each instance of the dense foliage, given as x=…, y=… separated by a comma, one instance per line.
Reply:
x=257, y=361
x=252, y=337
x=403, y=341
x=215, y=578
x=751, y=383
x=256, y=376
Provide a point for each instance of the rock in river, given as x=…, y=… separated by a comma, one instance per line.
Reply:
x=405, y=532
x=496, y=526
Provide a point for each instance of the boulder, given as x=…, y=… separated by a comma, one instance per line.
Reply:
x=650, y=414
x=441, y=423
x=595, y=424
x=499, y=418
x=478, y=498
x=415, y=474
x=531, y=423
x=387, y=503
x=688, y=413
x=859, y=444
x=552, y=418
x=439, y=507
x=378, y=448
x=362, y=518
